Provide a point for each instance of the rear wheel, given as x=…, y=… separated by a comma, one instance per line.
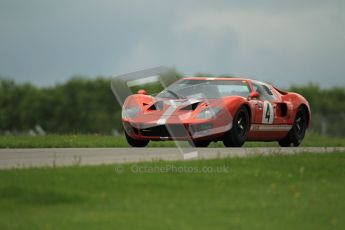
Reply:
x=297, y=132
x=200, y=144
x=136, y=143
x=237, y=135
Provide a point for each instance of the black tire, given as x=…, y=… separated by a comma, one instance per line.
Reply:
x=237, y=135
x=199, y=144
x=297, y=132
x=136, y=143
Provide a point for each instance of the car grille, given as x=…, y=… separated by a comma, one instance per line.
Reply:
x=163, y=131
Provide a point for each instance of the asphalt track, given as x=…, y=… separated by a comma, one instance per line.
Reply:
x=54, y=157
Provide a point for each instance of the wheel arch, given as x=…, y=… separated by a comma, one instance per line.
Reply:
x=307, y=110
x=233, y=104
x=249, y=111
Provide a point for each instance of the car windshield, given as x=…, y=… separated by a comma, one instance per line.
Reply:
x=206, y=89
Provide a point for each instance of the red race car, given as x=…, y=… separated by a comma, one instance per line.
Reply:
x=201, y=110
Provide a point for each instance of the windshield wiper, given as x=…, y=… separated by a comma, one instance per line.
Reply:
x=202, y=83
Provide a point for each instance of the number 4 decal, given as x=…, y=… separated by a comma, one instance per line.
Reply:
x=267, y=115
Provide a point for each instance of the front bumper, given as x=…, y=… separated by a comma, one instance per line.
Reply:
x=199, y=131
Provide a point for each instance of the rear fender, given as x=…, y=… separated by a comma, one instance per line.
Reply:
x=296, y=101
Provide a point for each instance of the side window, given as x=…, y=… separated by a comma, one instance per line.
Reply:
x=264, y=91
x=268, y=91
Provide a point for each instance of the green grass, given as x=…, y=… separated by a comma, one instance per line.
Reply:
x=65, y=141
x=277, y=192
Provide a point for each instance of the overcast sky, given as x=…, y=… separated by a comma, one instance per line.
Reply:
x=284, y=42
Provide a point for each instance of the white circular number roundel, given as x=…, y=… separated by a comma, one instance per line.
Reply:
x=268, y=115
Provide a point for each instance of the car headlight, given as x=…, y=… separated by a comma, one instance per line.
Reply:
x=130, y=112
x=208, y=113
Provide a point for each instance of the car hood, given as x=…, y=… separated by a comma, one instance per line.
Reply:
x=176, y=110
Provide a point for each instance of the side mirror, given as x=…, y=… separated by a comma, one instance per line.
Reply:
x=142, y=91
x=254, y=95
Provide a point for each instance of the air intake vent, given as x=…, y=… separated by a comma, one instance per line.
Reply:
x=156, y=106
x=191, y=106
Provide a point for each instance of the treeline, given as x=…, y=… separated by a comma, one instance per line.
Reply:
x=78, y=106
x=328, y=108
x=84, y=105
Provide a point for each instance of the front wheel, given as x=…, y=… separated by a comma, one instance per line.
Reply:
x=136, y=143
x=297, y=132
x=238, y=133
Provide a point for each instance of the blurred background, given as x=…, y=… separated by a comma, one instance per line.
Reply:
x=57, y=57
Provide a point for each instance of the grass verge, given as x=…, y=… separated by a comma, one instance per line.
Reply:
x=78, y=141
x=277, y=192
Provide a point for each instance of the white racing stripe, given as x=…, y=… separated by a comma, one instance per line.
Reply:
x=256, y=127
x=173, y=106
